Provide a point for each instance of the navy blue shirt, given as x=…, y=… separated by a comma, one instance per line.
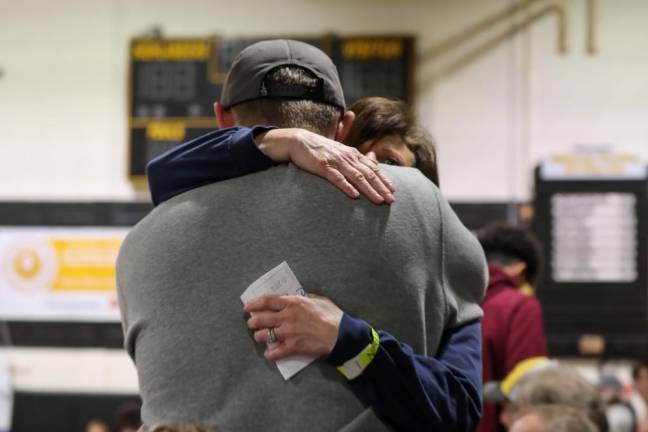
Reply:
x=412, y=392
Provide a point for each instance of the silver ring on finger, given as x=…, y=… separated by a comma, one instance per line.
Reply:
x=272, y=336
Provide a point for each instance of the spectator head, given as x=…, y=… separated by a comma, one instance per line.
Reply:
x=540, y=381
x=560, y=385
x=96, y=426
x=182, y=428
x=127, y=418
x=500, y=391
x=610, y=388
x=640, y=377
x=552, y=418
x=514, y=249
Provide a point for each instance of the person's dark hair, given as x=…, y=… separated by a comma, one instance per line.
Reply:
x=560, y=418
x=636, y=369
x=169, y=427
x=317, y=117
x=127, y=416
x=505, y=244
x=378, y=117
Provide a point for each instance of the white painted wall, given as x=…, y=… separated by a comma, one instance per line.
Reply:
x=52, y=370
x=63, y=91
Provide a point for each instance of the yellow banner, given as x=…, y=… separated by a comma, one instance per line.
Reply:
x=61, y=264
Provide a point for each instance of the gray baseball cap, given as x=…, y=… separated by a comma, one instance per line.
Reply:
x=245, y=79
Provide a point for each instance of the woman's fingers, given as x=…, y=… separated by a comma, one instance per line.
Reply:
x=334, y=176
x=306, y=326
x=266, y=303
x=263, y=336
x=356, y=173
x=373, y=165
x=264, y=320
x=280, y=351
x=377, y=179
x=344, y=166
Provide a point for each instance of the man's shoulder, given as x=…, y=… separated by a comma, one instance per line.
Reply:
x=409, y=178
x=287, y=182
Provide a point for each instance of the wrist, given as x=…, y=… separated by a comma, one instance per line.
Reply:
x=353, y=335
x=354, y=367
x=278, y=143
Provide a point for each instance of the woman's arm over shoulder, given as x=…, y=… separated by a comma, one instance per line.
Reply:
x=237, y=151
x=416, y=392
x=216, y=156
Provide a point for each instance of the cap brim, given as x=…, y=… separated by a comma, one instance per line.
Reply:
x=493, y=392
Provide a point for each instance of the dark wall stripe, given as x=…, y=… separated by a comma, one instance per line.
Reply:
x=71, y=214
x=64, y=334
x=53, y=412
x=473, y=215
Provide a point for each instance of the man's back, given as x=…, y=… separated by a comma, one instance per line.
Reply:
x=410, y=268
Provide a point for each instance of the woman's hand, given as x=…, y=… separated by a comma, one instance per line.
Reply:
x=303, y=326
x=344, y=166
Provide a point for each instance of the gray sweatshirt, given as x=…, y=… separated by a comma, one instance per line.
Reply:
x=410, y=268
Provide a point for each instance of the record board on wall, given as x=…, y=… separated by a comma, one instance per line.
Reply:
x=591, y=213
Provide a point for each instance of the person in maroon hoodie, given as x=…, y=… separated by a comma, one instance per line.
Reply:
x=512, y=325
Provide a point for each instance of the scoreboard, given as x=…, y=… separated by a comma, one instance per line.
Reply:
x=591, y=214
x=173, y=83
x=172, y=88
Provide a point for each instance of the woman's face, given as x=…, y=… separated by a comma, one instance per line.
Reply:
x=390, y=150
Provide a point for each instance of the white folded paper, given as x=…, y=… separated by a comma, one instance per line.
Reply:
x=279, y=281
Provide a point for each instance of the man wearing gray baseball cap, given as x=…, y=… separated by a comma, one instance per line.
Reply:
x=411, y=271
x=246, y=80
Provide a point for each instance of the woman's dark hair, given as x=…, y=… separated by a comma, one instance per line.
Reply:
x=378, y=117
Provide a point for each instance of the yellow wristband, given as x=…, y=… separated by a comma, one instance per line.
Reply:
x=352, y=368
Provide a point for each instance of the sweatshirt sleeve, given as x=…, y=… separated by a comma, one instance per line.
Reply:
x=526, y=338
x=415, y=392
x=219, y=155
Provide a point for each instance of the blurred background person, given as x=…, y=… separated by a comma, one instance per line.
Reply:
x=97, y=426
x=127, y=418
x=639, y=397
x=552, y=418
x=557, y=384
x=538, y=381
x=512, y=325
x=182, y=428
x=620, y=414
